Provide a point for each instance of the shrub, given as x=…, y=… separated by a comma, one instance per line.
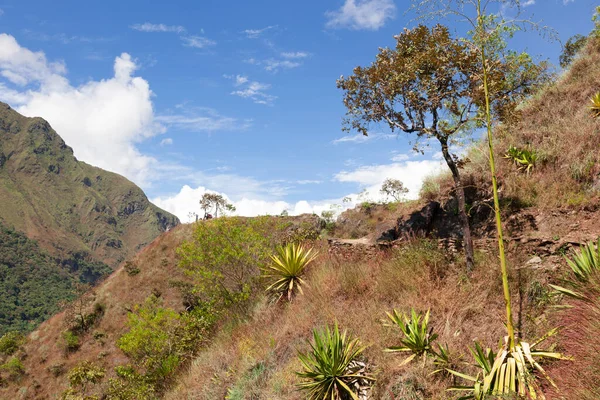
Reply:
x=225, y=258
x=418, y=337
x=129, y=385
x=287, y=269
x=14, y=367
x=71, y=341
x=159, y=339
x=57, y=369
x=10, y=342
x=81, y=377
x=584, y=263
x=328, y=368
x=131, y=268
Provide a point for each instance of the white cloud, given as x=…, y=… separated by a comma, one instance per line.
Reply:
x=256, y=33
x=198, y=42
x=201, y=119
x=253, y=90
x=297, y=54
x=187, y=201
x=362, y=14
x=166, y=142
x=149, y=27
x=411, y=173
x=274, y=65
x=528, y=3
x=360, y=138
x=308, y=182
x=400, y=157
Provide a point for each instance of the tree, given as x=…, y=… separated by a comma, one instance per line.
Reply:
x=570, y=49
x=210, y=201
x=423, y=86
x=393, y=188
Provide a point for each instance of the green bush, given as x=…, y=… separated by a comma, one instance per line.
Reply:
x=81, y=379
x=129, y=385
x=71, y=341
x=225, y=257
x=10, y=342
x=14, y=367
x=131, y=268
x=159, y=339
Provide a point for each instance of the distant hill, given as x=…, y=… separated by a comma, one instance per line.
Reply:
x=61, y=221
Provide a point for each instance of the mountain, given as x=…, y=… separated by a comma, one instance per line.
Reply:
x=62, y=221
x=67, y=205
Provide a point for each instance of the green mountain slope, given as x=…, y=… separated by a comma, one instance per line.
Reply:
x=67, y=205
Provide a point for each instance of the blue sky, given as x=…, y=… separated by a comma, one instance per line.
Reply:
x=237, y=97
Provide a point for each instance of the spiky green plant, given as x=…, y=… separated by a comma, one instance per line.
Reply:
x=327, y=368
x=595, y=107
x=418, y=337
x=584, y=263
x=508, y=372
x=524, y=159
x=287, y=270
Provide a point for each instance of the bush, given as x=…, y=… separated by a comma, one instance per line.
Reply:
x=11, y=342
x=225, y=258
x=129, y=385
x=159, y=339
x=71, y=341
x=81, y=377
x=57, y=369
x=131, y=268
x=14, y=367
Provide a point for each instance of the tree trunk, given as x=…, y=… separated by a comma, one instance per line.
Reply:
x=462, y=213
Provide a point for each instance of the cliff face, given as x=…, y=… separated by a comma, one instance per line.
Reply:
x=68, y=206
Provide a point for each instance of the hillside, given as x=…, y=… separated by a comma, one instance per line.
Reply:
x=62, y=221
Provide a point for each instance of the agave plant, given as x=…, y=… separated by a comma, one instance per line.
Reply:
x=507, y=372
x=595, y=107
x=418, y=338
x=524, y=159
x=287, y=270
x=583, y=263
x=329, y=369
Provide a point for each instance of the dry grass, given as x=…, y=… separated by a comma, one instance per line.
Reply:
x=257, y=359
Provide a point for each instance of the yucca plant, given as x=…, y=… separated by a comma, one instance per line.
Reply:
x=287, y=270
x=330, y=368
x=583, y=263
x=595, y=107
x=524, y=159
x=418, y=337
x=508, y=372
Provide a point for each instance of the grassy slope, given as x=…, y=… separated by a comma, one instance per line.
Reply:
x=66, y=205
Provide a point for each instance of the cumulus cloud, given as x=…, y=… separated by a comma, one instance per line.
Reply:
x=184, y=203
x=149, y=27
x=411, y=173
x=166, y=142
x=362, y=14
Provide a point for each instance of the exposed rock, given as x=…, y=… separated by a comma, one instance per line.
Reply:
x=419, y=223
